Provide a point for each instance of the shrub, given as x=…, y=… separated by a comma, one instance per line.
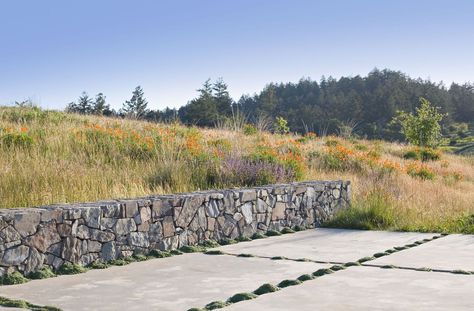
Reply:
x=286, y=283
x=44, y=273
x=13, y=278
x=281, y=125
x=420, y=171
x=272, y=233
x=159, y=254
x=192, y=249
x=422, y=129
x=18, y=140
x=249, y=129
x=216, y=305
x=70, y=268
x=423, y=154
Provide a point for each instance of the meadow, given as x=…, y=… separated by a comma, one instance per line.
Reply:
x=49, y=157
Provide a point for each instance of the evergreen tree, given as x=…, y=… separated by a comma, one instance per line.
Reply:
x=100, y=106
x=136, y=107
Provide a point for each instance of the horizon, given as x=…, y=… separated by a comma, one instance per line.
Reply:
x=170, y=49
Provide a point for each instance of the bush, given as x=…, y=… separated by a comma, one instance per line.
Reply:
x=423, y=154
x=265, y=289
x=249, y=129
x=13, y=278
x=69, y=268
x=281, y=125
x=44, y=273
x=241, y=297
x=420, y=171
x=19, y=140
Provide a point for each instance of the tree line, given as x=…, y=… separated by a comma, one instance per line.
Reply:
x=362, y=105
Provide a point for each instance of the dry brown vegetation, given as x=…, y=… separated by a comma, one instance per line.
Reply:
x=52, y=157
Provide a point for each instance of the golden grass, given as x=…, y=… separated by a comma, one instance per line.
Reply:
x=77, y=158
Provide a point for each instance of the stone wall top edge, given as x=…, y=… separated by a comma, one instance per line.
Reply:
x=109, y=202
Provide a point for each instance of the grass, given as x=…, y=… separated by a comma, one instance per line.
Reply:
x=322, y=272
x=214, y=252
x=272, y=233
x=286, y=283
x=13, y=278
x=69, y=268
x=241, y=297
x=192, y=249
x=44, y=273
x=51, y=157
x=216, y=305
x=12, y=303
x=265, y=289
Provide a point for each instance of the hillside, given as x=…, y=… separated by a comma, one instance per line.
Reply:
x=50, y=157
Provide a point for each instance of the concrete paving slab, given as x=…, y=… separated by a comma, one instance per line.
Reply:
x=368, y=288
x=452, y=252
x=333, y=245
x=175, y=283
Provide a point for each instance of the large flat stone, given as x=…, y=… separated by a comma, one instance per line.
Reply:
x=176, y=283
x=368, y=288
x=333, y=245
x=452, y=252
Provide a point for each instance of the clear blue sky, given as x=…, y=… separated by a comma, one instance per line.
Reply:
x=51, y=51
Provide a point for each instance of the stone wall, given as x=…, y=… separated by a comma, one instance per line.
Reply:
x=31, y=238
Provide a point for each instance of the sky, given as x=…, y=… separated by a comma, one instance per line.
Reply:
x=52, y=51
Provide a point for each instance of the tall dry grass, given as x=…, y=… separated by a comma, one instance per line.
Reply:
x=53, y=157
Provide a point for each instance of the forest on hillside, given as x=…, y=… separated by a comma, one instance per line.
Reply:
x=363, y=106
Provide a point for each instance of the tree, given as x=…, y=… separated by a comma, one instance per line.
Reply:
x=222, y=98
x=83, y=105
x=100, y=106
x=201, y=111
x=423, y=128
x=136, y=107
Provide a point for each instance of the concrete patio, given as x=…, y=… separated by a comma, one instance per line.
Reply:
x=394, y=281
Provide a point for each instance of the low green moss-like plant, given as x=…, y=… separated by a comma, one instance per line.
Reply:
x=388, y=267
x=71, y=268
x=322, y=272
x=243, y=239
x=278, y=258
x=140, y=257
x=119, y=262
x=227, y=241
x=99, y=264
x=160, y=254
x=209, y=244
x=287, y=230
x=286, y=283
x=13, y=278
x=305, y=277
x=11, y=303
x=365, y=259
x=216, y=305
x=245, y=255
x=196, y=309
x=176, y=252
x=460, y=272
x=241, y=297
x=257, y=236
x=272, y=233
x=378, y=255
x=214, y=252
x=400, y=248
x=265, y=289
x=426, y=269
x=351, y=264
x=303, y=260
x=44, y=273
x=298, y=228
x=337, y=268
x=192, y=249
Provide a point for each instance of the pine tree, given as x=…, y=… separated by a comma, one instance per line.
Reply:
x=100, y=105
x=136, y=107
x=83, y=105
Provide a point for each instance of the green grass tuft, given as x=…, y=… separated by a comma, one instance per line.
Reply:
x=305, y=277
x=241, y=297
x=119, y=262
x=388, y=267
x=214, y=252
x=196, y=309
x=243, y=239
x=160, y=254
x=303, y=260
x=227, y=241
x=426, y=269
x=400, y=248
x=176, y=252
x=272, y=233
x=140, y=257
x=278, y=258
x=99, y=264
x=286, y=283
x=461, y=272
x=13, y=278
x=70, y=268
x=44, y=273
x=265, y=289
x=216, y=305
x=351, y=264
x=257, y=236
x=245, y=255
x=365, y=259
x=192, y=249
x=378, y=255
x=287, y=230
x=337, y=268
x=209, y=244
x=298, y=228
x=322, y=272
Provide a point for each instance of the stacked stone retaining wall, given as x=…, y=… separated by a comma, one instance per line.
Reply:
x=32, y=238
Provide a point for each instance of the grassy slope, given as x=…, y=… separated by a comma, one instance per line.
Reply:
x=51, y=157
